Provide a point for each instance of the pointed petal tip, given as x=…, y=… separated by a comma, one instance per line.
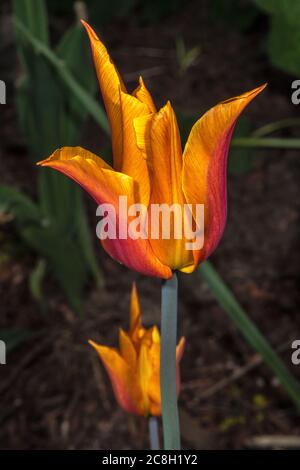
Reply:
x=180, y=348
x=103, y=351
x=92, y=343
x=134, y=289
x=255, y=91
x=248, y=95
x=97, y=346
x=89, y=30
x=45, y=162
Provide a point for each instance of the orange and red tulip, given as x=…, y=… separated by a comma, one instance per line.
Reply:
x=134, y=368
x=149, y=167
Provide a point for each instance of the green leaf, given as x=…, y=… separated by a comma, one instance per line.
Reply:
x=64, y=257
x=36, y=280
x=86, y=100
x=266, y=142
x=251, y=333
x=18, y=204
x=276, y=126
x=34, y=16
x=283, y=43
x=51, y=117
x=85, y=241
x=284, y=8
x=74, y=50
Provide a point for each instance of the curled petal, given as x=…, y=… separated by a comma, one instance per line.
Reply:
x=106, y=186
x=92, y=173
x=204, y=166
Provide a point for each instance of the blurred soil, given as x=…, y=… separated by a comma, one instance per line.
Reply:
x=54, y=393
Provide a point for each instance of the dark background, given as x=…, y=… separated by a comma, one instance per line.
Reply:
x=54, y=393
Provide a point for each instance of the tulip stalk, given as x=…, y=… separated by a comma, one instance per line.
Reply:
x=168, y=392
x=153, y=433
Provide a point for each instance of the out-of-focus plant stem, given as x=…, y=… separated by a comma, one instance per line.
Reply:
x=268, y=142
x=170, y=416
x=276, y=126
x=153, y=433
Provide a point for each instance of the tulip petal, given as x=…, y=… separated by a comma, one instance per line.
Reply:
x=180, y=349
x=133, y=161
x=135, y=310
x=106, y=186
x=142, y=127
x=204, y=166
x=179, y=352
x=126, y=388
x=142, y=93
x=154, y=383
x=159, y=139
x=166, y=157
x=110, y=83
x=144, y=373
x=127, y=349
x=92, y=173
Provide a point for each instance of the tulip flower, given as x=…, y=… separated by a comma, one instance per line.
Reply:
x=134, y=368
x=150, y=168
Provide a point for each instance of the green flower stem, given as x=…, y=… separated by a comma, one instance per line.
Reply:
x=170, y=416
x=153, y=433
x=250, y=331
x=267, y=142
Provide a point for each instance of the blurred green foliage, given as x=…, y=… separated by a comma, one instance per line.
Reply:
x=283, y=37
x=283, y=41
x=55, y=226
x=186, y=58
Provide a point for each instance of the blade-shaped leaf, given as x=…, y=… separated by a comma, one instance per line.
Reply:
x=251, y=333
x=21, y=206
x=64, y=257
x=79, y=92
